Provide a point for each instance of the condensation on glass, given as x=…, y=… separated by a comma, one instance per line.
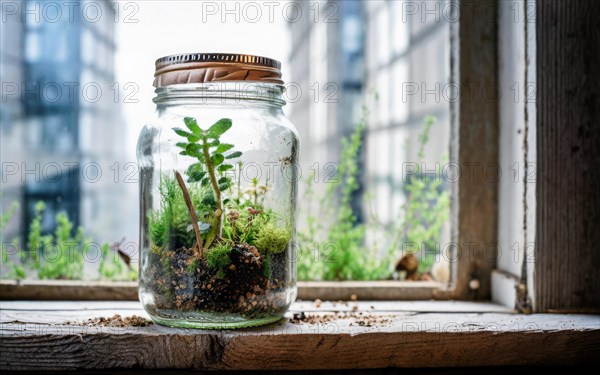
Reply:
x=218, y=186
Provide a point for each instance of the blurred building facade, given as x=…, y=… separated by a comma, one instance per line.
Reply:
x=394, y=50
x=63, y=136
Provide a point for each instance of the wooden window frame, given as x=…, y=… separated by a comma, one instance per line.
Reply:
x=557, y=269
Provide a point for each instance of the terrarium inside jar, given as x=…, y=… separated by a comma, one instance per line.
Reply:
x=218, y=189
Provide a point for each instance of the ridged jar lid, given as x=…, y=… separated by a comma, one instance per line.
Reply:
x=215, y=67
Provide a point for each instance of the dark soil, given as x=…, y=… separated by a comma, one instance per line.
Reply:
x=180, y=281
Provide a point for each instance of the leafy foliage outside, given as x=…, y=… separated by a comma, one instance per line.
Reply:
x=59, y=255
x=426, y=209
x=339, y=250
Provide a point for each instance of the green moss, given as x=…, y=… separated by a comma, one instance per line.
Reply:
x=157, y=250
x=193, y=265
x=218, y=257
x=267, y=265
x=166, y=264
x=271, y=239
x=246, y=223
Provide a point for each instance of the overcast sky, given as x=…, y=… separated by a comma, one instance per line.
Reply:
x=167, y=27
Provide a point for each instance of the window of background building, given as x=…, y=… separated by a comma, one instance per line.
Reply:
x=49, y=62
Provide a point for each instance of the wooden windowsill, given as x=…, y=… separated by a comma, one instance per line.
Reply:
x=34, y=336
x=55, y=290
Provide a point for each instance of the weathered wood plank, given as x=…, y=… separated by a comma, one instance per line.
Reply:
x=69, y=305
x=58, y=290
x=405, y=340
x=61, y=311
x=474, y=146
x=371, y=290
x=504, y=289
x=77, y=290
x=567, y=259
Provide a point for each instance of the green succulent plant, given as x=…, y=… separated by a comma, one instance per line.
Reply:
x=206, y=147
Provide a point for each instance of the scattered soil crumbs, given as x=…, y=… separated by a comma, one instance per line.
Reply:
x=301, y=317
x=115, y=321
x=358, y=319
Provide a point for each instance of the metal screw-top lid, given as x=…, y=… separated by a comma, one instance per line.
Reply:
x=215, y=67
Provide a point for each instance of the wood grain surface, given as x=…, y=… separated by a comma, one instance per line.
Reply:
x=567, y=260
x=34, y=336
x=58, y=290
x=474, y=147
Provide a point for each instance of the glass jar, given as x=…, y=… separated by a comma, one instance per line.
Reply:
x=218, y=186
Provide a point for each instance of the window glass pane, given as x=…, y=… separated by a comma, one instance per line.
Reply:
x=372, y=45
x=34, y=133
x=400, y=27
x=384, y=155
x=87, y=47
x=383, y=35
x=399, y=138
x=383, y=196
x=62, y=48
x=374, y=5
x=383, y=90
x=400, y=79
x=32, y=47
x=372, y=152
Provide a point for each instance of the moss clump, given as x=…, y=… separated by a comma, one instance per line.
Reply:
x=219, y=256
x=267, y=265
x=193, y=265
x=272, y=239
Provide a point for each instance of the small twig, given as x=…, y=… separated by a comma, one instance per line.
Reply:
x=122, y=254
x=190, y=206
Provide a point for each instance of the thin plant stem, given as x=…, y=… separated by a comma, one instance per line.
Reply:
x=190, y=206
